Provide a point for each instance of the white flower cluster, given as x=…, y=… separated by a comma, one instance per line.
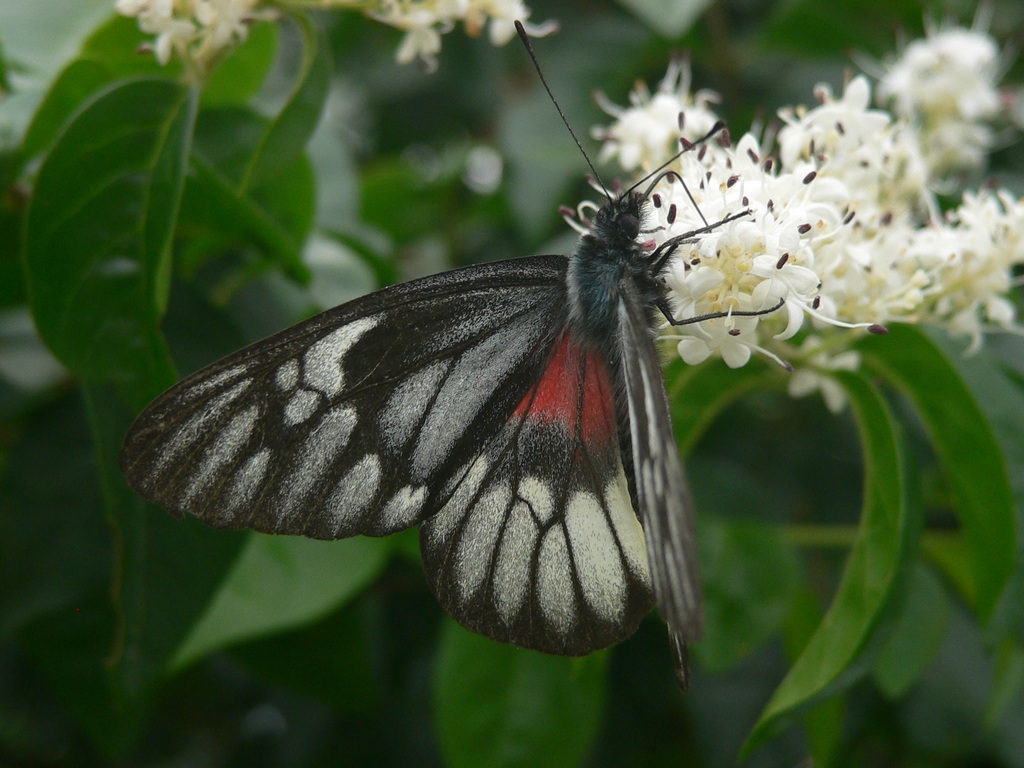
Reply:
x=647, y=133
x=840, y=225
x=424, y=21
x=199, y=32
x=945, y=86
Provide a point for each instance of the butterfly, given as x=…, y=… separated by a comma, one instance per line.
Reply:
x=514, y=410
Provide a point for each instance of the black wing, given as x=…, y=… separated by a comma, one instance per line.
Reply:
x=662, y=490
x=424, y=402
x=347, y=423
x=538, y=544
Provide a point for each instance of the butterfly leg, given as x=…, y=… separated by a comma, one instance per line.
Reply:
x=672, y=320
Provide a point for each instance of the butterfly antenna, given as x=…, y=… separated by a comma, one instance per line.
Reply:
x=662, y=173
x=687, y=146
x=536, y=64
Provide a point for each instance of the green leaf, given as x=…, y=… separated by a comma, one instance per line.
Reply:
x=280, y=582
x=699, y=393
x=1007, y=684
x=497, y=705
x=670, y=20
x=110, y=53
x=55, y=546
x=240, y=76
x=71, y=649
x=889, y=522
x=919, y=631
x=824, y=721
x=964, y=441
x=98, y=233
x=822, y=28
x=1001, y=398
x=79, y=80
x=212, y=202
x=749, y=577
x=331, y=660
x=290, y=130
x=166, y=570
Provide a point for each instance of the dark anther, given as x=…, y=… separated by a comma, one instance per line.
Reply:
x=803, y=229
x=782, y=261
x=881, y=330
x=671, y=214
x=810, y=177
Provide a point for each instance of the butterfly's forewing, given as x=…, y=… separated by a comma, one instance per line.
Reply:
x=662, y=489
x=459, y=400
x=539, y=545
x=347, y=423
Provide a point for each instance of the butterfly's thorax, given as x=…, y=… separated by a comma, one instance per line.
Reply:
x=603, y=258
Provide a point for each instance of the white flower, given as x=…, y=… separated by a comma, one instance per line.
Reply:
x=426, y=20
x=984, y=240
x=877, y=159
x=763, y=262
x=811, y=375
x=945, y=86
x=200, y=32
x=646, y=134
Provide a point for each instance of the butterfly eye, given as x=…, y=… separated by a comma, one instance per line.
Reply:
x=629, y=225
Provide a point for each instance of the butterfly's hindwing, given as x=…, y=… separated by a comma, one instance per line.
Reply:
x=538, y=543
x=661, y=485
x=352, y=421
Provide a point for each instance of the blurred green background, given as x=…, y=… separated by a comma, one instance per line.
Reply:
x=130, y=638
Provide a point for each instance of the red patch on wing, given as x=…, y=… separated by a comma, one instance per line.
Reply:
x=555, y=398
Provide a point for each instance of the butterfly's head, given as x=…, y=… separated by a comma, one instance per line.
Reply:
x=619, y=221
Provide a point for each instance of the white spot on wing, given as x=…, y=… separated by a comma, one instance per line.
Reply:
x=511, y=579
x=478, y=538
x=403, y=509
x=627, y=527
x=221, y=452
x=245, y=483
x=408, y=403
x=322, y=363
x=537, y=495
x=300, y=407
x=211, y=382
x=355, y=492
x=194, y=428
x=465, y=391
x=287, y=376
x=595, y=556
x=315, y=455
x=443, y=524
x=554, y=585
